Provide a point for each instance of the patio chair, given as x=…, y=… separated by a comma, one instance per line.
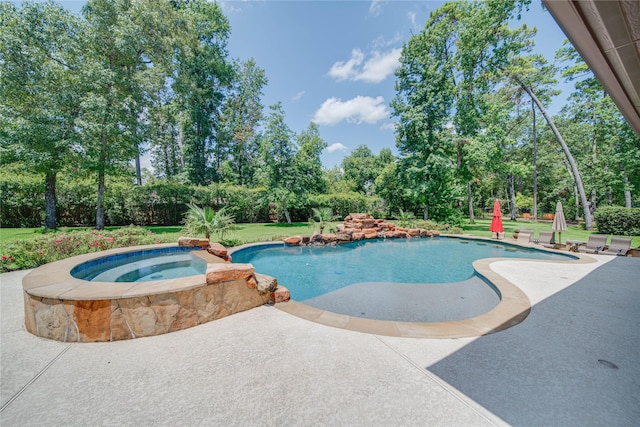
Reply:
x=619, y=246
x=547, y=239
x=525, y=236
x=595, y=244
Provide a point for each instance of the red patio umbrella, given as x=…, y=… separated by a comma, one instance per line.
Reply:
x=496, y=223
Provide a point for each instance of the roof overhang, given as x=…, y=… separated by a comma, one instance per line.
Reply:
x=607, y=35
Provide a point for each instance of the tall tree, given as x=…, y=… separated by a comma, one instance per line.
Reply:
x=278, y=150
x=39, y=90
x=123, y=39
x=202, y=79
x=241, y=114
x=307, y=161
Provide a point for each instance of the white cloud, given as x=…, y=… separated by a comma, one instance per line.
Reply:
x=298, y=95
x=380, y=66
x=412, y=18
x=375, y=8
x=381, y=42
x=357, y=110
x=375, y=69
x=389, y=126
x=347, y=70
x=336, y=147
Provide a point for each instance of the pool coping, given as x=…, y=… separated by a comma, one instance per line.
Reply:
x=54, y=280
x=514, y=306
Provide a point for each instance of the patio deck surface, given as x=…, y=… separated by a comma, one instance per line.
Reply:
x=574, y=361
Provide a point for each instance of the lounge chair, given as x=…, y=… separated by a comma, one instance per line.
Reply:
x=525, y=236
x=547, y=239
x=619, y=246
x=596, y=243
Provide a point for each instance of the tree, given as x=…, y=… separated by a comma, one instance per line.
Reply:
x=307, y=161
x=241, y=114
x=122, y=41
x=278, y=151
x=203, y=76
x=39, y=90
x=604, y=129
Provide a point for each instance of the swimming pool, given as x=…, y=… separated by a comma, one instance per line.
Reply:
x=142, y=266
x=309, y=271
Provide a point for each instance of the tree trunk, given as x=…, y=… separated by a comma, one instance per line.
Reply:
x=138, y=169
x=535, y=167
x=574, y=167
x=100, y=204
x=425, y=215
x=472, y=218
x=627, y=192
x=512, y=196
x=50, y=201
x=286, y=215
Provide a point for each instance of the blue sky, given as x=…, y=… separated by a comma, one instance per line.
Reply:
x=332, y=62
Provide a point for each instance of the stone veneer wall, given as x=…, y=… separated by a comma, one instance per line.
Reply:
x=228, y=289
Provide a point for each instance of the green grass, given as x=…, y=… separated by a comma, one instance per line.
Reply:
x=247, y=233
x=481, y=228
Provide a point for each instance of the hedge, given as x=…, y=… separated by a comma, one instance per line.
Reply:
x=618, y=220
x=160, y=202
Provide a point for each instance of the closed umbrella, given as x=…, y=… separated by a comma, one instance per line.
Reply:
x=559, y=223
x=496, y=222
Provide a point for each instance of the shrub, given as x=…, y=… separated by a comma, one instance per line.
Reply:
x=49, y=247
x=618, y=220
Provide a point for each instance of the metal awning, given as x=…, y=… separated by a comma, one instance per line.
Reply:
x=607, y=35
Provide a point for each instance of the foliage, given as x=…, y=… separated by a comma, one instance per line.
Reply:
x=49, y=247
x=205, y=220
x=618, y=220
x=406, y=219
x=323, y=216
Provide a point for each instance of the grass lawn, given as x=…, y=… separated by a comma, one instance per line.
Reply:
x=481, y=228
x=247, y=233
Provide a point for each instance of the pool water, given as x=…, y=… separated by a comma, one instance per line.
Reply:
x=142, y=266
x=311, y=271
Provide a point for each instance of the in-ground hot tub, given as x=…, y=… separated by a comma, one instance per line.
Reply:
x=62, y=307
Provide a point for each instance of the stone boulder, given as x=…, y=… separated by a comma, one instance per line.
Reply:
x=217, y=273
x=293, y=241
x=193, y=242
x=281, y=294
x=218, y=250
x=266, y=283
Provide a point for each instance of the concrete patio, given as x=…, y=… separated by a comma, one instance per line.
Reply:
x=574, y=361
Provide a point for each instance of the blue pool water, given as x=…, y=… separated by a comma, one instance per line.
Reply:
x=142, y=266
x=309, y=271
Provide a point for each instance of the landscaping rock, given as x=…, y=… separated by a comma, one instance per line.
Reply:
x=217, y=249
x=281, y=294
x=266, y=283
x=217, y=273
x=293, y=241
x=193, y=242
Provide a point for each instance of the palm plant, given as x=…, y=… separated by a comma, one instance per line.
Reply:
x=323, y=216
x=406, y=219
x=206, y=220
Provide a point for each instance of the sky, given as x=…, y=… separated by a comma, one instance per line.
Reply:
x=333, y=62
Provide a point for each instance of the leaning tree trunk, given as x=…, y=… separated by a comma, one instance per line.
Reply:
x=50, y=201
x=574, y=167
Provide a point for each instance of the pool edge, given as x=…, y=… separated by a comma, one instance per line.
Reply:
x=513, y=309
